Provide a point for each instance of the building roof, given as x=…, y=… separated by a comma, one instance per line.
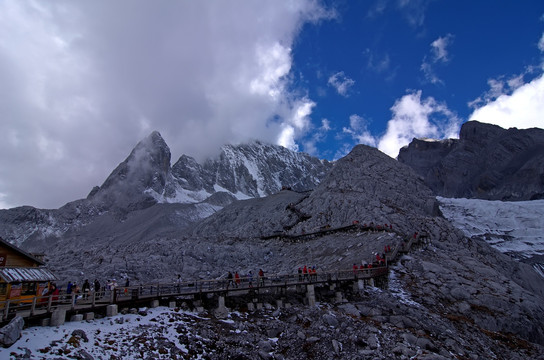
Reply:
x=23, y=253
x=26, y=274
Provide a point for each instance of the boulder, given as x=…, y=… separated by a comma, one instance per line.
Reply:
x=10, y=333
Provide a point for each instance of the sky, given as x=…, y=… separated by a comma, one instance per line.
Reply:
x=82, y=82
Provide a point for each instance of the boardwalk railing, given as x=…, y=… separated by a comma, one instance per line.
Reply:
x=42, y=305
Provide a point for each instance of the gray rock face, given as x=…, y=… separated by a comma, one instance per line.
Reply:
x=145, y=179
x=487, y=162
x=251, y=170
x=368, y=186
x=146, y=168
x=365, y=186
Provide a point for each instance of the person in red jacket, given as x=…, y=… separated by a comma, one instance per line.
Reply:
x=236, y=279
x=305, y=272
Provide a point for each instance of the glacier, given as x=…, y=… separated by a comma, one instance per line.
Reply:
x=514, y=228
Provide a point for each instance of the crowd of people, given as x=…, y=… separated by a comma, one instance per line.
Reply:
x=236, y=279
x=83, y=291
x=307, y=273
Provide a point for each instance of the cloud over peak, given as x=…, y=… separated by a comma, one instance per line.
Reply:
x=90, y=79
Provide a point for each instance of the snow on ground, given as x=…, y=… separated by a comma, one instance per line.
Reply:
x=119, y=337
x=515, y=228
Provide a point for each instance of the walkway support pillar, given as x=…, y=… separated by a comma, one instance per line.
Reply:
x=221, y=312
x=310, y=295
x=361, y=284
x=58, y=317
x=111, y=310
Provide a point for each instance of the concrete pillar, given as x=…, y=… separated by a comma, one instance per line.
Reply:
x=279, y=304
x=58, y=317
x=361, y=284
x=371, y=282
x=172, y=304
x=221, y=312
x=310, y=295
x=338, y=298
x=45, y=322
x=250, y=307
x=89, y=316
x=259, y=306
x=154, y=304
x=76, y=317
x=111, y=310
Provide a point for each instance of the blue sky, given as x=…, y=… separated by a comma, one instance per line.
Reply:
x=82, y=82
x=374, y=53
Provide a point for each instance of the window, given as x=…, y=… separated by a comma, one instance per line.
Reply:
x=29, y=289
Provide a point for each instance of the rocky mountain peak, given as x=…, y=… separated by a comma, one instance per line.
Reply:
x=147, y=167
x=487, y=162
x=372, y=187
x=249, y=170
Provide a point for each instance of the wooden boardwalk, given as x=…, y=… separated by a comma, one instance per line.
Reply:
x=42, y=307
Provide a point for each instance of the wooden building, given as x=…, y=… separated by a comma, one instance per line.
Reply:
x=22, y=276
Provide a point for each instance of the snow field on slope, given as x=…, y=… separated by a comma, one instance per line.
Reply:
x=121, y=336
x=510, y=227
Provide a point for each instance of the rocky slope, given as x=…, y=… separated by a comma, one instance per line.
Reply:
x=373, y=325
x=486, y=162
x=460, y=283
x=365, y=186
x=452, y=297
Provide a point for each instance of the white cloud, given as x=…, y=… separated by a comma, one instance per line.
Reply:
x=414, y=11
x=325, y=125
x=429, y=73
x=439, y=55
x=439, y=48
x=541, y=43
x=341, y=83
x=83, y=82
x=297, y=123
x=414, y=117
x=358, y=130
x=377, y=63
x=523, y=108
x=318, y=135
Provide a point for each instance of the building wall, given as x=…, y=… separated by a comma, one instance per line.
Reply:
x=11, y=258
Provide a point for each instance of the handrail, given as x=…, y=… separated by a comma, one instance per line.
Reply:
x=46, y=304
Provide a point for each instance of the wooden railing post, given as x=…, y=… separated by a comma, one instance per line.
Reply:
x=6, y=310
x=33, y=306
x=49, y=302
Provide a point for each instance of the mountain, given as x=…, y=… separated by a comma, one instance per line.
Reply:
x=246, y=171
x=486, y=162
x=366, y=186
x=145, y=179
x=452, y=296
